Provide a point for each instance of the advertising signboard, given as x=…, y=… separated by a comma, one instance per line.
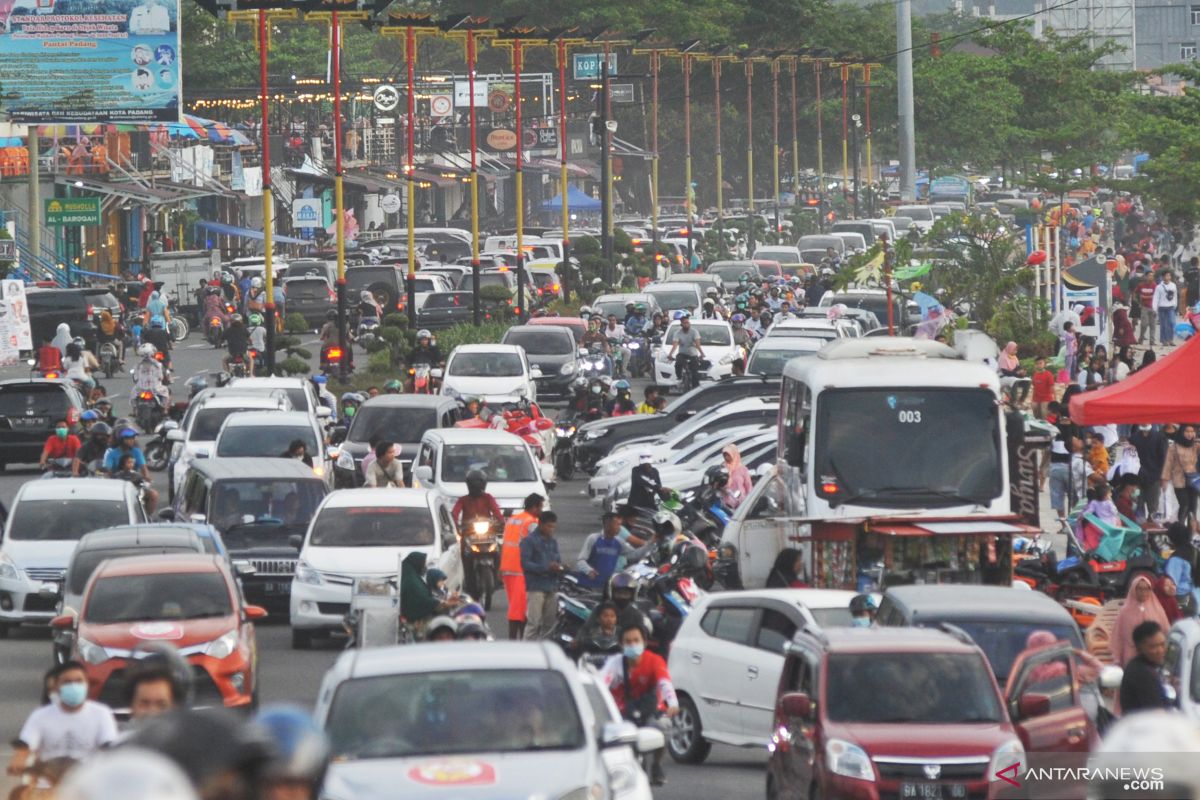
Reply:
x=72, y=212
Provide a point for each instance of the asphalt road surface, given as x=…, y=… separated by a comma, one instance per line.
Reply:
x=286, y=675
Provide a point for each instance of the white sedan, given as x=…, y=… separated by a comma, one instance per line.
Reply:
x=716, y=339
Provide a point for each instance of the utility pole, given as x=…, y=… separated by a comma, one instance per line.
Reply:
x=602, y=107
x=904, y=94
x=856, y=126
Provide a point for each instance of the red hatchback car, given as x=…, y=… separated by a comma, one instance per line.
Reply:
x=191, y=601
x=915, y=714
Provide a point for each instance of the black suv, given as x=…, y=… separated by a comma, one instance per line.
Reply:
x=28, y=411
x=385, y=281
x=550, y=348
x=48, y=308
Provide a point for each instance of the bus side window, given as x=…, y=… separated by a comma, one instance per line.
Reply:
x=795, y=423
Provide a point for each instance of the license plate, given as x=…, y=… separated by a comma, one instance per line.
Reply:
x=29, y=422
x=278, y=587
x=933, y=791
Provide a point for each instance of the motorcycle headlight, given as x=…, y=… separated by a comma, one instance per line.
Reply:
x=480, y=527
x=8, y=569
x=222, y=646
x=848, y=760
x=635, y=346
x=91, y=652
x=1005, y=756
x=345, y=460
x=567, y=368
x=566, y=431
x=306, y=574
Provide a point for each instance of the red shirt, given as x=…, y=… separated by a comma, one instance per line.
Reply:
x=1043, y=386
x=469, y=507
x=645, y=677
x=62, y=448
x=1146, y=293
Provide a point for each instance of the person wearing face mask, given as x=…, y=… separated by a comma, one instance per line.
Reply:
x=641, y=686
x=1181, y=472
x=71, y=727
x=63, y=444
x=299, y=451
x=862, y=611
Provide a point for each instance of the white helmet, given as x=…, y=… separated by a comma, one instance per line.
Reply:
x=130, y=773
x=147, y=350
x=256, y=283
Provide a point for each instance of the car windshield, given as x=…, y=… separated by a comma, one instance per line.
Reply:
x=361, y=278
x=922, y=213
x=46, y=520
x=945, y=443
x=253, y=511
x=876, y=304
x=675, y=300
x=208, y=422
x=448, y=300
x=510, y=463
x=168, y=596
x=373, y=526
x=391, y=423
x=486, y=365
x=541, y=342
x=493, y=279
x=775, y=253
x=453, y=712
x=86, y=561
x=732, y=273
x=764, y=361
x=23, y=403
x=715, y=335
x=606, y=307
x=929, y=688
x=1003, y=641
x=265, y=441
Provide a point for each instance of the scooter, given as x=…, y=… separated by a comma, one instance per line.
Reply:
x=564, y=459
x=595, y=363
x=332, y=356
x=368, y=331
x=481, y=558
x=147, y=410
x=214, y=330
x=158, y=449
x=57, y=468
x=110, y=358
x=421, y=377
x=638, y=357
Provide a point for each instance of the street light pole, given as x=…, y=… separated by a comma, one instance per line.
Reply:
x=775, y=140
x=749, y=66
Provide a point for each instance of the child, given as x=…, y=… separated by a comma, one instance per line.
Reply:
x=127, y=471
x=1043, y=388
x=1097, y=456
x=1070, y=347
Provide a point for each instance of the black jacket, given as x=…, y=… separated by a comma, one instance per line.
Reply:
x=644, y=486
x=1151, y=448
x=1141, y=687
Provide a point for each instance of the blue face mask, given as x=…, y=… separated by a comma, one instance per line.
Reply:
x=860, y=622
x=634, y=651
x=72, y=694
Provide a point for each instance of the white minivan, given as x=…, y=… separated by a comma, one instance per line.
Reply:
x=513, y=472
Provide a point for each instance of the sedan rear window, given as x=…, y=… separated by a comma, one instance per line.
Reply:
x=49, y=520
x=170, y=596
x=448, y=300
x=33, y=400
x=544, y=342
x=393, y=424
x=265, y=441
x=85, y=562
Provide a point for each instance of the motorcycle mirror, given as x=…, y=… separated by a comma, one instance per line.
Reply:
x=323, y=412
x=32, y=362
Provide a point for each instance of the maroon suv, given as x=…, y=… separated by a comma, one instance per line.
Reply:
x=914, y=714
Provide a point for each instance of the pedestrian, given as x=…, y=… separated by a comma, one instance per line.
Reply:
x=1181, y=471
x=1140, y=606
x=1181, y=568
x=602, y=552
x=738, y=487
x=1070, y=348
x=1141, y=686
x=1166, y=300
x=788, y=570
x=1152, y=447
x=1123, y=334
x=542, y=565
x=1043, y=387
x=385, y=471
x=515, y=530
x=70, y=727
x=1147, y=319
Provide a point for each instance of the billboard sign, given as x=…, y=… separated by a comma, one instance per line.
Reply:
x=72, y=212
x=103, y=61
x=307, y=212
x=587, y=65
x=462, y=94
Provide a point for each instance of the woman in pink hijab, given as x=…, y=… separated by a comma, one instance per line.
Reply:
x=1008, y=362
x=739, y=484
x=1141, y=605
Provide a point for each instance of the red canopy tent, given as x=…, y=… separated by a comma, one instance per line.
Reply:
x=1166, y=391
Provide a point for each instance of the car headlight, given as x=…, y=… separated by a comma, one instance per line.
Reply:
x=306, y=574
x=449, y=391
x=345, y=460
x=91, y=652
x=222, y=646
x=1006, y=755
x=595, y=433
x=727, y=358
x=848, y=760
x=567, y=368
x=622, y=780
x=523, y=391
x=614, y=467
x=8, y=569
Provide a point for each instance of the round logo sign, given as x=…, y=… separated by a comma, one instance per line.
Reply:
x=386, y=97
x=440, y=105
x=501, y=139
x=157, y=630
x=390, y=203
x=454, y=772
x=498, y=102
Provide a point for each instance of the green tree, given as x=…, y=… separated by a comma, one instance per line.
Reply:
x=1168, y=128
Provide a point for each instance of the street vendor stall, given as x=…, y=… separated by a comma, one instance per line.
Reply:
x=1166, y=391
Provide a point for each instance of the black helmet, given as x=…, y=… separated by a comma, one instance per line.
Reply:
x=689, y=558
x=331, y=314
x=862, y=604
x=100, y=430
x=716, y=476
x=209, y=744
x=476, y=482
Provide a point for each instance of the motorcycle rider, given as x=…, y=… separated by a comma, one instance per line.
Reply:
x=348, y=407
x=645, y=485
x=385, y=471
x=62, y=444
x=148, y=375
x=157, y=335
x=70, y=727
x=237, y=344
x=299, y=758
x=368, y=308
x=127, y=445
x=741, y=336
x=516, y=529
x=476, y=503
x=324, y=396
x=92, y=450
x=623, y=402
x=616, y=336
x=636, y=322
x=214, y=306
x=258, y=334
x=256, y=298
x=602, y=552
x=687, y=343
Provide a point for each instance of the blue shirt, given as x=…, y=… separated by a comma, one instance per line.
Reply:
x=1180, y=571
x=112, y=459
x=537, y=553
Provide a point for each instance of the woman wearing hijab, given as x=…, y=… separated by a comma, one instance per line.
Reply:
x=1008, y=363
x=739, y=484
x=367, y=307
x=788, y=570
x=1164, y=590
x=62, y=338
x=417, y=601
x=1141, y=605
x=157, y=306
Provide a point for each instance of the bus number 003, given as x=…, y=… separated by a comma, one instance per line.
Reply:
x=910, y=417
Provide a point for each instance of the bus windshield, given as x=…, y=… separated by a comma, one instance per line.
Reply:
x=941, y=447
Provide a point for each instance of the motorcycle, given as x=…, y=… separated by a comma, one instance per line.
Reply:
x=595, y=363
x=481, y=558
x=693, y=370
x=158, y=449
x=331, y=360
x=57, y=468
x=147, y=410
x=639, y=357
x=575, y=605
x=238, y=367
x=214, y=330
x=368, y=331
x=178, y=328
x=564, y=459
x=618, y=355
x=421, y=378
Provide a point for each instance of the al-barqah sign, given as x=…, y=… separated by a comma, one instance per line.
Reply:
x=100, y=61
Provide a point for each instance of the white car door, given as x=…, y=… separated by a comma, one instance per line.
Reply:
x=716, y=657
x=764, y=663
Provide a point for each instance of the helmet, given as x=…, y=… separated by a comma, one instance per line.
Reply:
x=585, y=311
x=862, y=604
x=162, y=658
x=223, y=379
x=157, y=322
x=441, y=623
x=256, y=283
x=331, y=314
x=680, y=315
x=132, y=773
x=147, y=350
x=689, y=557
x=622, y=581
x=100, y=431
x=622, y=385
x=319, y=380
x=256, y=319
x=476, y=481
x=469, y=610
x=708, y=301
x=667, y=525
x=127, y=433
x=716, y=476
x=89, y=416
x=226, y=278
x=712, y=292
x=205, y=743
x=79, y=340
x=472, y=626
x=580, y=382
x=235, y=318
x=392, y=386
x=196, y=384
x=301, y=749
x=738, y=319
x=424, y=334
x=639, y=308
x=351, y=397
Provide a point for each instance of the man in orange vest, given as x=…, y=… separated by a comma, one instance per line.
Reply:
x=516, y=529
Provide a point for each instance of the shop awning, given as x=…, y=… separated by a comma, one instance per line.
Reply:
x=159, y=194
x=1163, y=392
x=247, y=233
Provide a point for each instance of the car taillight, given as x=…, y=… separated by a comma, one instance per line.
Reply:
x=72, y=415
x=52, y=376
x=91, y=310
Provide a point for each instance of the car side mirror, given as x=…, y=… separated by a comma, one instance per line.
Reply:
x=244, y=569
x=255, y=612
x=1110, y=677
x=198, y=518
x=423, y=474
x=323, y=412
x=619, y=734
x=63, y=622
x=296, y=541
x=175, y=435
x=649, y=740
x=1033, y=704
x=548, y=473
x=170, y=425
x=796, y=704
x=202, y=452
x=535, y=372
x=337, y=435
